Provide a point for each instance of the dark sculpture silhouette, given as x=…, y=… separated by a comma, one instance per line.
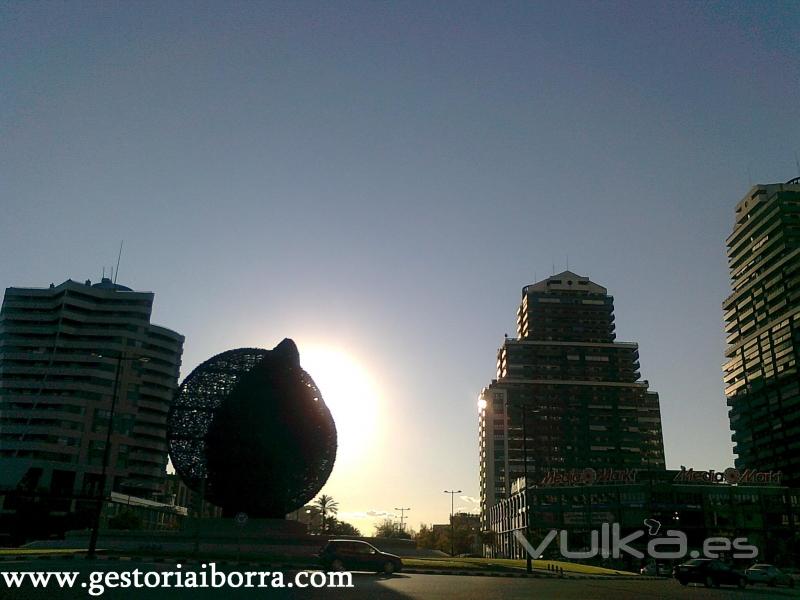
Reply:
x=250, y=431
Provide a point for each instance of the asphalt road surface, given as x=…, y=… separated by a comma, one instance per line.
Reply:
x=370, y=586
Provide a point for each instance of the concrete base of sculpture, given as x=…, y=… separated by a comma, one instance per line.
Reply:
x=255, y=538
x=244, y=528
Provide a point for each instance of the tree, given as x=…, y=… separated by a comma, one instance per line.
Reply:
x=428, y=537
x=337, y=527
x=466, y=530
x=438, y=537
x=389, y=529
x=488, y=538
x=326, y=505
x=385, y=529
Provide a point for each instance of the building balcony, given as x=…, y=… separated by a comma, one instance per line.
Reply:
x=33, y=445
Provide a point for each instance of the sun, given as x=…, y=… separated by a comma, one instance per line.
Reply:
x=351, y=395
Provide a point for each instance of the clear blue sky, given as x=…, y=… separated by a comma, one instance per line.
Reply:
x=384, y=178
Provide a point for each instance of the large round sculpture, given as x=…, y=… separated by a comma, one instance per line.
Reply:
x=250, y=431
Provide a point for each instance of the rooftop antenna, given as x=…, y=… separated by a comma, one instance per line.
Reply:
x=554, y=267
x=797, y=163
x=104, y=273
x=119, y=257
x=567, y=262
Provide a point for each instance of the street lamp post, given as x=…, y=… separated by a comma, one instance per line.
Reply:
x=524, y=413
x=452, y=522
x=92, y=551
x=528, y=557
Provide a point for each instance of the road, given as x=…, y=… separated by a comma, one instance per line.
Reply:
x=369, y=586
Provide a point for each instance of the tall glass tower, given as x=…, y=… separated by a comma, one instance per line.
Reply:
x=570, y=387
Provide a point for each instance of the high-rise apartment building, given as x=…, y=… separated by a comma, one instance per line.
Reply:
x=570, y=388
x=65, y=354
x=762, y=323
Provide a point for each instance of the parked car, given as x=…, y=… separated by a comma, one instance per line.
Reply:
x=793, y=572
x=769, y=574
x=709, y=572
x=355, y=555
x=655, y=569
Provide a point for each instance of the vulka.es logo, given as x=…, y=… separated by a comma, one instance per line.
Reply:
x=608, y=543
x=653, y=526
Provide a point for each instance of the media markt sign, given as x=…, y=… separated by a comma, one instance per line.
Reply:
x=729, y=476
x=588, y=476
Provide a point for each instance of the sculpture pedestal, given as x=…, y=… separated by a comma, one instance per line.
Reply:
x=210, y=529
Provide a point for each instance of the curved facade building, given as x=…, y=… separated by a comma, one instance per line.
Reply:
x=61, y=349
x=762, y=327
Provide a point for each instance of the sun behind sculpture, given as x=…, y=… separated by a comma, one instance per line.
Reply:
x=250, y=431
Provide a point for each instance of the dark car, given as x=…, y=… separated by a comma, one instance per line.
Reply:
x=769, y=574
x=709, y=572
x=355, y=555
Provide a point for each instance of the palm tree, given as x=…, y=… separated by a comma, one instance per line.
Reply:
x=326, y=505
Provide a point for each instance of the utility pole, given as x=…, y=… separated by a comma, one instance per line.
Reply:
x=402, y=516
x=452, y=522
x=101, y=495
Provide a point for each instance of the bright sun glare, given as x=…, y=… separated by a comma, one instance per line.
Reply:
x=351, y=395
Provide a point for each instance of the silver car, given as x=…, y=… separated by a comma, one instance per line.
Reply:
x=656, y=570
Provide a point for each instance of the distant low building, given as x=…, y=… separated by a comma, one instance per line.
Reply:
x=146, y=514
x=700, y=503
x=467, y=527
x=308, y=515
x=470, y=521
x=193, y=502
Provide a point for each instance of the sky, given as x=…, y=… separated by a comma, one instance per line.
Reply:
x=378, y=181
